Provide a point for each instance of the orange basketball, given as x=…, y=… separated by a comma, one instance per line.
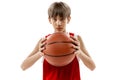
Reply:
x=58, y=50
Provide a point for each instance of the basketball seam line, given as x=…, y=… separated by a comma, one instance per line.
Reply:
x=59, y=42
x=59, y=55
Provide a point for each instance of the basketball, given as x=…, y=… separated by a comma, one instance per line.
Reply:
x=58, y=50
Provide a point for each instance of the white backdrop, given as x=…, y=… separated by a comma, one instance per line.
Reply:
x=24, y=22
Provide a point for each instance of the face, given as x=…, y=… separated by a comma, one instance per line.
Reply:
x=59, y=24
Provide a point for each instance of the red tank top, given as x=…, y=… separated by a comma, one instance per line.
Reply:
x=67, y=72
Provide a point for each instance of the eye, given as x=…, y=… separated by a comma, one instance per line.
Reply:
x=61, y=19
x=55, y=19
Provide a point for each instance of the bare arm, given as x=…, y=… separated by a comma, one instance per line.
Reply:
x=83, y=54
x=34, y=55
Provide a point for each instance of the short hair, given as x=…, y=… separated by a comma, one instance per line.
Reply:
x=59, y=9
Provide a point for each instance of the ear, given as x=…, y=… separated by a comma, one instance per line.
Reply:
x=49, y=19
x=68, y=19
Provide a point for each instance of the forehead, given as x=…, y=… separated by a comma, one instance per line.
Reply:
x=59, y=16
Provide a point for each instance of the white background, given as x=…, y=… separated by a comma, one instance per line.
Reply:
x=24, y=22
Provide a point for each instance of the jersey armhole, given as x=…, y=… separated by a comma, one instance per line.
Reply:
x=72, y=34
x=47, y=35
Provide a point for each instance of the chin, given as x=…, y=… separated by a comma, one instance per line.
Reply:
x=59, y=31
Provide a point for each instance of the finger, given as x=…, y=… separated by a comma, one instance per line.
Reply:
x=43, y=44
x=75, y=47
x=73, y=38
x=41, y=49
x=43, y=40
x=74, y=43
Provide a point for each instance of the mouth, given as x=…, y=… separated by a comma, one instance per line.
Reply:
x=59, y=29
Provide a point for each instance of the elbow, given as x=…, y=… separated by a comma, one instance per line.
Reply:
x=93, y=67
x=23, y=67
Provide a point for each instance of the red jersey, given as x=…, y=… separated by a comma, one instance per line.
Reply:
x=68, y=72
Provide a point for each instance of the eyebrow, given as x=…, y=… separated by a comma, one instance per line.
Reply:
x=61, y=18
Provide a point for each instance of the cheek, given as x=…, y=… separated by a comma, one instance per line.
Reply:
x=65, y=22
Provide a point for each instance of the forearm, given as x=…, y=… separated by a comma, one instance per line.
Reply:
x=30, y=61
x=86, y=60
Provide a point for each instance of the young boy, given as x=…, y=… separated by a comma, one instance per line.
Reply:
x=59, y=17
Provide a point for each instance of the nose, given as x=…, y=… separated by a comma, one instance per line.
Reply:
x=58, y=22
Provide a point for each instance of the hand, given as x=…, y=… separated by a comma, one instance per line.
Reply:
x=76, y=44
x=42, y=44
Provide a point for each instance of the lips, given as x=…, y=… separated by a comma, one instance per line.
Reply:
x=59, y=28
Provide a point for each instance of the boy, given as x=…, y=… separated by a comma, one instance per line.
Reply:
x=59, y=17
